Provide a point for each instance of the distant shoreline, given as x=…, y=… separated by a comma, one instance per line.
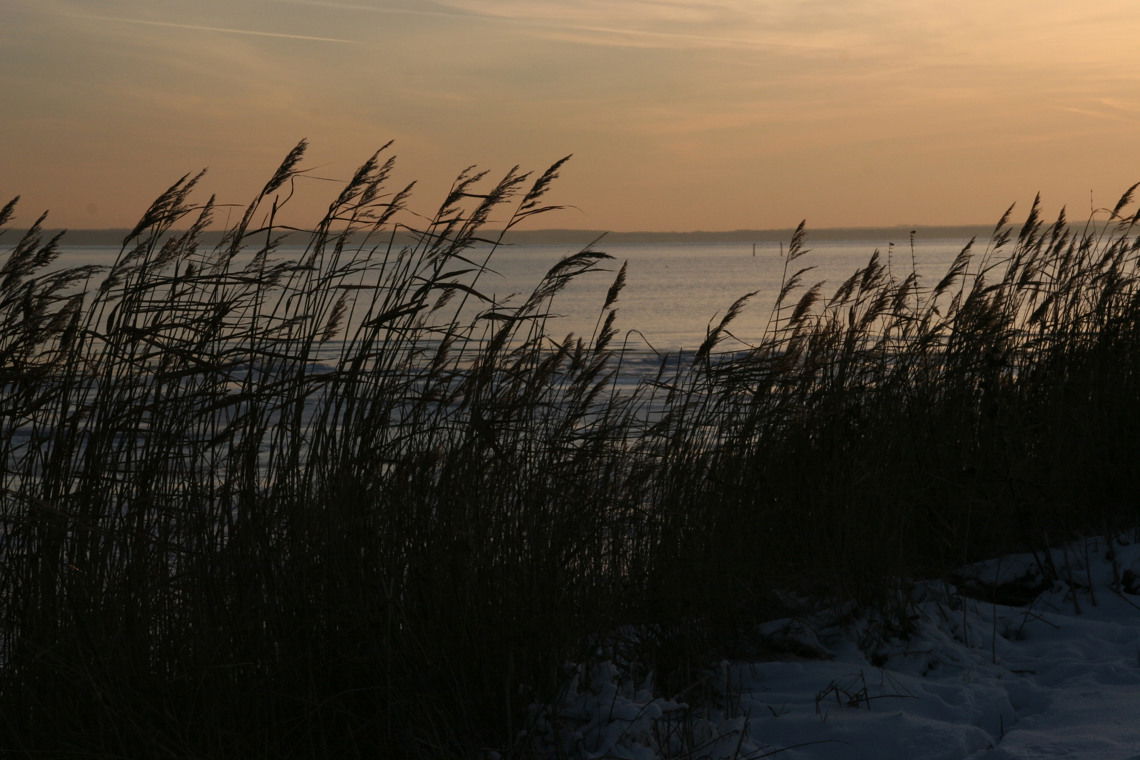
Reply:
x=898, y=234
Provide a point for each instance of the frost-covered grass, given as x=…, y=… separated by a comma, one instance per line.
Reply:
x=343, y=505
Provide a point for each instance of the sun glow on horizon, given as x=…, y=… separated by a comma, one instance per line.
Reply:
x=706, y=114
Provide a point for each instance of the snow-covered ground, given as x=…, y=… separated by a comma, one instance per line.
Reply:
x=1053, y=672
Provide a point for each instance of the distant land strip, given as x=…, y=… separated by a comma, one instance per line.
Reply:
x=879, y=235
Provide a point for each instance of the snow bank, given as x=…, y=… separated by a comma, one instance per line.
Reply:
x=1056, y=674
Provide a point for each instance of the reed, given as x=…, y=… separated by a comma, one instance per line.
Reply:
x=257, y=505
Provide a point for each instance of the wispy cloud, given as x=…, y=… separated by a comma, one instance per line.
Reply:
x=216, y=29
x=642, y=12
x=673, y=24
x=1107, y=109
x=382, y=9
x=604, y=36
x=634, y=23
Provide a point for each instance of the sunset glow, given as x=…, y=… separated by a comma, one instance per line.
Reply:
x=701, y=114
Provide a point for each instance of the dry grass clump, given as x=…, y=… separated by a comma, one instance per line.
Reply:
x=344, y=504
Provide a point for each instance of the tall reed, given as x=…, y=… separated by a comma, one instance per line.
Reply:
x=255, y=504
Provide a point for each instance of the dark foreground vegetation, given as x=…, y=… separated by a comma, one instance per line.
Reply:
x=341, y=506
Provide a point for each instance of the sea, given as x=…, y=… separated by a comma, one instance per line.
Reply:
x=676, y=290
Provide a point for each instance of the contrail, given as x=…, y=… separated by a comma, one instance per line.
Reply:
x=221, y=29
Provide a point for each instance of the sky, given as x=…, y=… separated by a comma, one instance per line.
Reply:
x=680, y=114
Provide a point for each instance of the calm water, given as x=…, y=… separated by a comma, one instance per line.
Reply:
x=674, y=290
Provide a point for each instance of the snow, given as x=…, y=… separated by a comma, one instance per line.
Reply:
x=1054, y=672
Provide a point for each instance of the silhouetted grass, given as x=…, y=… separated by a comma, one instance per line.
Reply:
x=256, y=505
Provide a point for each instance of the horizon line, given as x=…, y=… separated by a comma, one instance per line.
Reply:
x=560, y=231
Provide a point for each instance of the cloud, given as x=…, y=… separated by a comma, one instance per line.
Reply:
x=671, y=24
x=807, y=39
x=387, y=9
x=587, y=22
x=589, y=12
x=217, y=29
x=1106, y=109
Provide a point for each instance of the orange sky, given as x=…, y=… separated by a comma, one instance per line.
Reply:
x=682, y=114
